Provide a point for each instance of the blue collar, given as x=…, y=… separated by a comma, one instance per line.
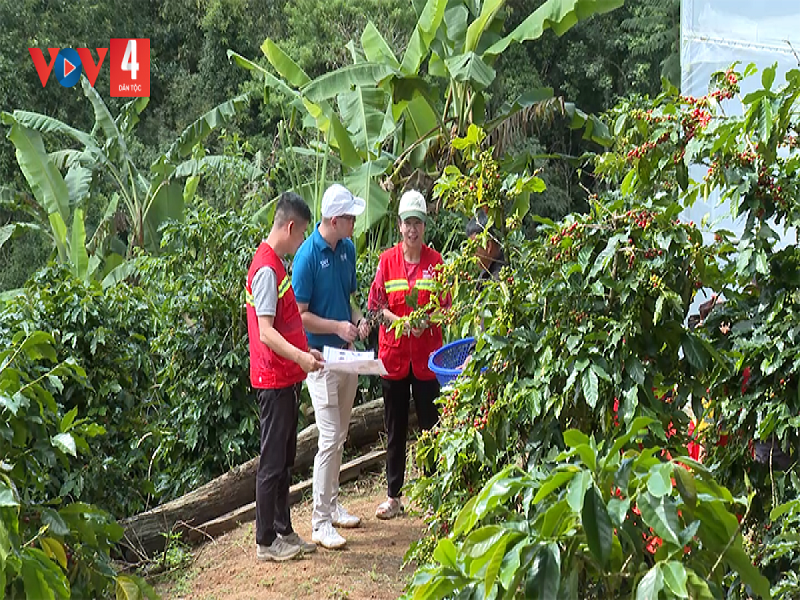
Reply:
x=319, y=241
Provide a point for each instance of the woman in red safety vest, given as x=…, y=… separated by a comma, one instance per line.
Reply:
x=407, y=267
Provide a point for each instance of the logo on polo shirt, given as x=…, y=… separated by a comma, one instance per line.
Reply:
x=343, y=257
x=324, y=263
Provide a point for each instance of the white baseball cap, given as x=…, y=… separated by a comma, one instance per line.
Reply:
x=412, y=204
x=338, y=200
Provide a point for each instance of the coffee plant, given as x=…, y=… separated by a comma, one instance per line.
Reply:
x=51, y=546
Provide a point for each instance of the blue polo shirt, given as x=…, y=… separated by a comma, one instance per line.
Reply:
x=324, y=278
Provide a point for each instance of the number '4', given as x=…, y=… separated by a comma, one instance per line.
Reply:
x=129, y=60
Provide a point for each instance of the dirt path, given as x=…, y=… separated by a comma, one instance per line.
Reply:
x=368, y=567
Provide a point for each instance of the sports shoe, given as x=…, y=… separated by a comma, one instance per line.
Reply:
x=342, y=518
x=296, y=540
x=279, y=550
x=327, y=537
x=389, y=509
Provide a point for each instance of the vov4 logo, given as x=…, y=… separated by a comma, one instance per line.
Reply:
x=129, y=64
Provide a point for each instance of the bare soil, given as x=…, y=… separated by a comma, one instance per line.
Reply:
x=369, y=567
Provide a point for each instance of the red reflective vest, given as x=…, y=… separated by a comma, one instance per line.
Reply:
x=267, y=369
x=396, y=353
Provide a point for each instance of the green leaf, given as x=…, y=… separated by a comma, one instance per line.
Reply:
x=79, y=258
x=78, y=180
x=64, y=442
x=476, y=29
x=684, y=481
x=547, y=572
x=284, y=65
x=577, y=490
x=41, y=174
x=270, y=79
x=574, y=438
x=429, y=21
x=698, y=587
x=768, y=76
x=558, y=15
x=446, y=553
x=618, y=509
x=589, y=384
x=650, y=585
x=363, y=182
x=34, y=584
x=660, y=514
x=555, y=481
x=7, y=496
x=49, y=582
x=363, y=113
x=750, y=575
x=674, y=575
x=482, y=540
x=342, y=80
x=54, y=549
x=220, y=115
x=496, y=560
x=659, y=482
x=597, y=525
x=126, y=589
x=54, y=522
x=695, y=351
x=635, y=427
x=604, y=258
x=376, y=49
x=787, y=507
x=470, y=67
x=466, y=518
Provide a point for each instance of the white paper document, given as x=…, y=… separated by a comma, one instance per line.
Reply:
x=350, y=361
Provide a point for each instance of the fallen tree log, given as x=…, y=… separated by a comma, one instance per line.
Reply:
x=236, y=488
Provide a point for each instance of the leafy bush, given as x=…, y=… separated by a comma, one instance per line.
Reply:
x=109, y=331
x=211, y=420
x=583, y=329
x=600, y=520
x=50, y=546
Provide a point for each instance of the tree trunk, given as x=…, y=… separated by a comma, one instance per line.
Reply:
x=236, y=488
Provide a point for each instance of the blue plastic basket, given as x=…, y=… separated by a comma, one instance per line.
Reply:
x=447, y=360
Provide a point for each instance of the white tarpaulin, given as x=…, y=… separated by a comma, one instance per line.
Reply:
x=717, y=33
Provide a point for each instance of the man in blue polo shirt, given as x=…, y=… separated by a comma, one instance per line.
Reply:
x=324, y=280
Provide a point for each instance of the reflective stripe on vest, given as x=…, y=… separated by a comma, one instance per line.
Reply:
x=401, y=285
x=282, y=289
x=396, y=285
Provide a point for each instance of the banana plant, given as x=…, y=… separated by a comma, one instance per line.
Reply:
x=147, y=199
x=380, y=116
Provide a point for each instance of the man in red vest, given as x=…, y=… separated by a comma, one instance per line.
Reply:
x=279, y=361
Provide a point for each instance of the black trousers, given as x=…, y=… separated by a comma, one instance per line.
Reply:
x=279, y=412
x=396, y=400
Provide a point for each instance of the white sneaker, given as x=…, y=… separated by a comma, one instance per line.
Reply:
x=342, y=518
x=327, y=537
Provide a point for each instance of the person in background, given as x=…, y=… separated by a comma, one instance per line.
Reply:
x=324, y=280
x=408, y=267
x=491, y=256
x=279, y=361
